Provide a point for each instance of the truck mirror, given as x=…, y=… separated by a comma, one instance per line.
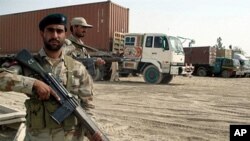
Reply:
x=165, y=43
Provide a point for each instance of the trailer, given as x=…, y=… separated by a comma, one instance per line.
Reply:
x=209, y=61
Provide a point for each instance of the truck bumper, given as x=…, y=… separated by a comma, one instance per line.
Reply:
x=182, y=70
x=239, y=73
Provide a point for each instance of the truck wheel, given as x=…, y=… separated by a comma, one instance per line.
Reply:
x=226, y=74
x=152, y=75
x=202, y=71
x=167, y=78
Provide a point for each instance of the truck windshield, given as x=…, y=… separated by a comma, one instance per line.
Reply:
x=176, y=45
x=247, y=63
x=236, y=62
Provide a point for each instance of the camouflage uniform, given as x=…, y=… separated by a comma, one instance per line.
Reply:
x=40, y=126
x=75, y=48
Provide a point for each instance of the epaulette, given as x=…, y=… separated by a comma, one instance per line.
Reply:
x=67, y=42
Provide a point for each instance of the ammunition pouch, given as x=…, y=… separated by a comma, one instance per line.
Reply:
x=35, y=114
x=50, y=106
x=38, y=115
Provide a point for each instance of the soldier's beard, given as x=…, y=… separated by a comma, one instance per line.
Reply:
x=53, y=47
x=80, y=35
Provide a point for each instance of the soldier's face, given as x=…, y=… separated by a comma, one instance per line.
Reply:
x=80, y=31
x=53, y=37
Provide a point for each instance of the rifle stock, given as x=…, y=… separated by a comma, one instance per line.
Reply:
x=68, y=102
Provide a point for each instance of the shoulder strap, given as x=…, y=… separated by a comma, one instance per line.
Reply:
x=69, y=63
x=77, y=45
x=81, y=48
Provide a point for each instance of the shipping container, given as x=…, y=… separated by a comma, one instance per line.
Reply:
x=21, y=30
x=202, y=58
x=200, y=55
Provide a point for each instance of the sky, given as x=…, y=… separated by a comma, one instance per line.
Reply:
x=201, y=20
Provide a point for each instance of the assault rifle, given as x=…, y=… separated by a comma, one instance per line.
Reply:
x=69, y=103
x=90, y=65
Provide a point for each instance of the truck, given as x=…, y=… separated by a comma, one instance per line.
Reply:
x=156, y=56
x=244, y=62
x=207, y=63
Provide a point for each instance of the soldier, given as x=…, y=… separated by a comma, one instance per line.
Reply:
x=78, y=28
x=40, y=126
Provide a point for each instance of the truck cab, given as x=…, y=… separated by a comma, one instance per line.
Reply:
x=244, y=63
x=156, y=56
x=226, y=67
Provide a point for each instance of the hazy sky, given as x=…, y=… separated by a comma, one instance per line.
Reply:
x=202, y=20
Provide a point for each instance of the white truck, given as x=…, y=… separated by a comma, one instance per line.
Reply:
x=158, y=57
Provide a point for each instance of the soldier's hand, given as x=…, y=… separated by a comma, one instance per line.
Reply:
x=95, y=137
x=44, y=91
x=100, y=61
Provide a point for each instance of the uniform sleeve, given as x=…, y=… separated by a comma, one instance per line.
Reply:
x=82, y=82
x=14, y=82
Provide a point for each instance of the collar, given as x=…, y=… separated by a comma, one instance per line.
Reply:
x=76, y=40
x=43, y=54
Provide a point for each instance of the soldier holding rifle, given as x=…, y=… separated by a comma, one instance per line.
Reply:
x=43, y=100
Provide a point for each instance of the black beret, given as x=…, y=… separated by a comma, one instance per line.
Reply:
x=53, y=19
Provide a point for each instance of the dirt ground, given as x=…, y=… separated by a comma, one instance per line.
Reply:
x=188, y=109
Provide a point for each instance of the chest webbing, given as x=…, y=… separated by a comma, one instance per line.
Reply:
x=68, y=62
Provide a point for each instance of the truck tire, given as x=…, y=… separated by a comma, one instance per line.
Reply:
x=152, y=75
x=167, y=78
x=202, y=71
x=226, y=74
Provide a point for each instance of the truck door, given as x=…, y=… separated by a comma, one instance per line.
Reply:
x=158, y=51
x=154, y=48
x=217, y=66
x=147, y=50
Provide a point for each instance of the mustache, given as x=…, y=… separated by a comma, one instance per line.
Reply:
x=54, y=40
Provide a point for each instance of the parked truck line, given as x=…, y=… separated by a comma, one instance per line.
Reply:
x=157, y=56
x=209, y=61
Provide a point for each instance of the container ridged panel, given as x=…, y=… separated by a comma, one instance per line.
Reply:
x=21, y=30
